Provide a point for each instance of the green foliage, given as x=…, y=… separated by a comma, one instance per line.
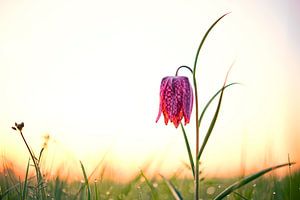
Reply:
x=213, y=121
x=263, y=188
x=174, y=191
x=86, y=181
x=246, y=180
x=187, y=144
x=24, y=193
x=152, y=189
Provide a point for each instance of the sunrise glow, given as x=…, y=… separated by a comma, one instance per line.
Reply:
x=88, y=75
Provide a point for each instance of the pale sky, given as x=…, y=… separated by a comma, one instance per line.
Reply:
x=88, y=73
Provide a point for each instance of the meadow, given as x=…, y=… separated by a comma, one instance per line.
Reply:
x=177, y=98
x=142, y=188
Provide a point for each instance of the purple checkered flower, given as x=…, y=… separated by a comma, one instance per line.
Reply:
x=176, y=99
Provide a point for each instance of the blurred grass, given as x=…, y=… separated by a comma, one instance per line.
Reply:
x=267, y=187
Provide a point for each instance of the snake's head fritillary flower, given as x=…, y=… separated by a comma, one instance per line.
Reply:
x=176, y=99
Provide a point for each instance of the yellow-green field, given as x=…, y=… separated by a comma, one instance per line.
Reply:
x=270, y=187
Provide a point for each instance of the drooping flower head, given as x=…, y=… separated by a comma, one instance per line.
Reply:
x=176, y=99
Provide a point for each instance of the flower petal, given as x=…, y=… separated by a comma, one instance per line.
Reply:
x=162, y=108
x=187, y=100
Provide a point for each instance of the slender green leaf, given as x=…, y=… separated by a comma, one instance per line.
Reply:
x=96, y=192
x=125, y=191
x=86, y=181
x=58, y=188
x=212, y=123
x=176, y=194
x=20, y=183
x=248, y=179
x=211, y=100
x=239, y=195
x=153, y=191
x=203, y=40
x=24, y=193
x=188, y=149
x=40, y=155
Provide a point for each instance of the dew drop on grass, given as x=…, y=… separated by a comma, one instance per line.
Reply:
x=274, y=193
x=210, y=190
x=155, y=185
x=254, y=185
x=219, y=186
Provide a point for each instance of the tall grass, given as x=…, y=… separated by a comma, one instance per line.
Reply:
x=137, y=188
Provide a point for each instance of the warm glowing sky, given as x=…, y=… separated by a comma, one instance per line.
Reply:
x=88, y=73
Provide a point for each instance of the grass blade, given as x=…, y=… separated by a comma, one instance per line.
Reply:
x=153, y=191
x=211, y=100
x=20, y=183
x=125, y=191
x=213, y=122
x=86, y=181
x=40, y=155
x=188, y=150
x=96, y=192
x=248, y=179
x=239, y=195
x=24, y=192
x=176, y=194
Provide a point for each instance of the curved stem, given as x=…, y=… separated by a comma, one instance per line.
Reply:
x=183, y=66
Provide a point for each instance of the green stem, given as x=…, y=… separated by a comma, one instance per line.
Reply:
x=197, y=140
x=32, y=157
x=37, y=170
x=176, y=74
x=290, y=176
x=196, y=104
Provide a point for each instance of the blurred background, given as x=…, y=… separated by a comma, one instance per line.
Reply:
x=87, y=74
